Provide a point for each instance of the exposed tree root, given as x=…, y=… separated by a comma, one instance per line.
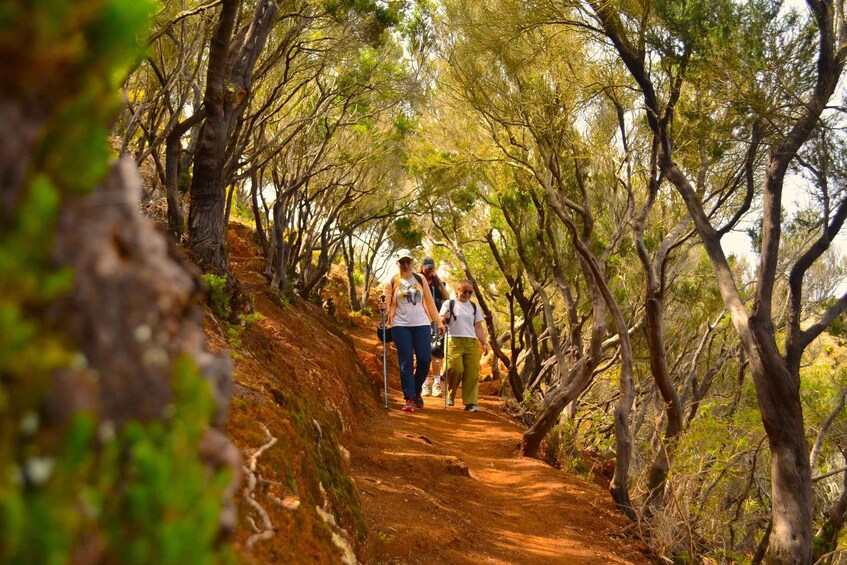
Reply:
x=267, y=531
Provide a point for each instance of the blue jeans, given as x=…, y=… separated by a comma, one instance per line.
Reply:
x=411, y=340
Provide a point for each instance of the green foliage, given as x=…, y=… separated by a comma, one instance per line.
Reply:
x=417, y=26
x=324, y=465
x=560, y=448
x=407, y=233
x=374, y=17
x=167, y=508
x=143, y=493
x=244, y=321
x=218, y=295
x=839, y=326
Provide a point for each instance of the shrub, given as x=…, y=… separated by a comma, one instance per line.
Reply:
x=218, y=295
x=142, y=494
x=244, y=321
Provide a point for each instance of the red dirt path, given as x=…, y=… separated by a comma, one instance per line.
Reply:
x=436, y=486
x=448, y=486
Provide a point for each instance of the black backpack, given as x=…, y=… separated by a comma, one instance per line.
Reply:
x=435, y=290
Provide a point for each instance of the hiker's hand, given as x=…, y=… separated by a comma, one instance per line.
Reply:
x=442, y=329
x=382, y=306
x=485, y=349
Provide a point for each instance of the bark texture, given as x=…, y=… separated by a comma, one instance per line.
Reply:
x=206, y=233
x=228, y=87
x=134, y=308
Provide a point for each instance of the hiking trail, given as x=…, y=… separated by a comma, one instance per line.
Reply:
x=435, y=486
x=449, y=486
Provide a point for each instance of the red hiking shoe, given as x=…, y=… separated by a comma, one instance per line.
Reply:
x=410, y=406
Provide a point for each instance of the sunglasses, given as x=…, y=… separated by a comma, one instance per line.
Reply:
x=405, y=261
x=466, y=292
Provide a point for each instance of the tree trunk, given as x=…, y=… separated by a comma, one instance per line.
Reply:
x=350, y=264
x=173, y=160
x=279, y=251
x=581, y=375
x=778, y=396
x=129, y=277
x=658, y=473
x=623, y=436
x=225, y=100
x=257, y=214
x=206, y=233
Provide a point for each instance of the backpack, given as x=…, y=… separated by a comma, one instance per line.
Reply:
x=435, y=290
x=453, y=315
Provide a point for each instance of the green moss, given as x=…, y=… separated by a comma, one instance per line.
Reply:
x=235, y=331
x=328, y=464
x=143, y=492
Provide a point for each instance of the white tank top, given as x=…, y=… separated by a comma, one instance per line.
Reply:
x=410, y=310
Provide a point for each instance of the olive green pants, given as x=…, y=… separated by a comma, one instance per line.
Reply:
x=463, y=357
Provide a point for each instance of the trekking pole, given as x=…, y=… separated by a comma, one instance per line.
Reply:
x=384, y=364
x=446, y=358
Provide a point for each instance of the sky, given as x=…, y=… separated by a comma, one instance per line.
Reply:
x=738, y=243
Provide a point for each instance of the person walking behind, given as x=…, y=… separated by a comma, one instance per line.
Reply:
x=410, y=311
x=466, y=333
x=439, y=295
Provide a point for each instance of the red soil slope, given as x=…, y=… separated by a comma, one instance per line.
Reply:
x=436, y=486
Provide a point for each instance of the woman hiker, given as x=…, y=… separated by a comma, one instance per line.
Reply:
x=464, y=321
x=410, y=311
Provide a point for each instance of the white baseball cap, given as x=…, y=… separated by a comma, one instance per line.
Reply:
x=403, y=254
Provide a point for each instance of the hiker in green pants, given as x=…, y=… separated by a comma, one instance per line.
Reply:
x=466, y=333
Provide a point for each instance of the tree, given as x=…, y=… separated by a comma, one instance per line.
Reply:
x=89, y=286
x=229, y=82
x=775, y=374
x=529, y=101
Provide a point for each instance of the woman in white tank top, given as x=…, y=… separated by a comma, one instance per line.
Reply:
x=410, y=311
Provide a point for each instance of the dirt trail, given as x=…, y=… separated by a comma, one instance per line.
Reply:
x=448, y=486
x=436, y=486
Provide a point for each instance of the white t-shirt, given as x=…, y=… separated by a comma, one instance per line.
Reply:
x=410, y=310
x=463, y=323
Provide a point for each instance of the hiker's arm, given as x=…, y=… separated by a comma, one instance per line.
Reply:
x=445, y=312
x=481, y=336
